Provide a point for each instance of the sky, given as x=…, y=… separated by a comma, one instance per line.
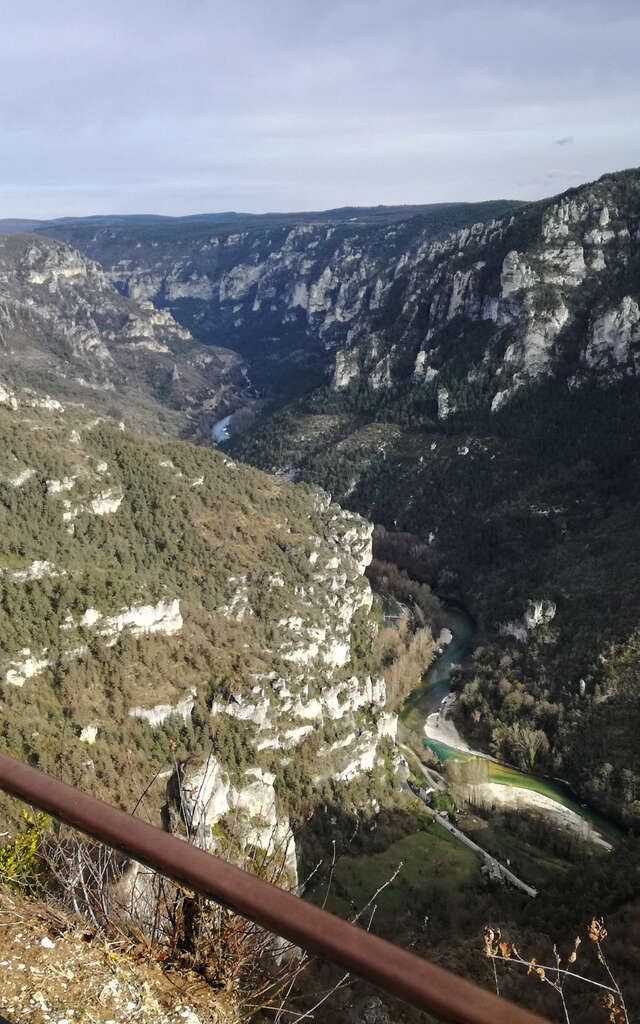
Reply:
x=190, y=106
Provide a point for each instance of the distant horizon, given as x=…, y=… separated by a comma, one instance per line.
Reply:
x=266, y=213
x=290, y=212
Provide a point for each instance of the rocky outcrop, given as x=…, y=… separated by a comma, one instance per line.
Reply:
x=140, y=620
x=31, y=665
x=207, y=797
x=61, y=319
x=537, y=613
x=315, y=644
x=38, y=570
x=163, y=617
x=159, y=713
x=537, y=269
x=614, y=339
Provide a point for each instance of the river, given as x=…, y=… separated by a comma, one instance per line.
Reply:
x=426, y=699
x=436, y=684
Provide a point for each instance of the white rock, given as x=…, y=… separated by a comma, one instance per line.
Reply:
x=614, y=335
x=538, y=613
x=20, y=478
x=56, y=486
x=256, y=712
x=7, y=397
x=444, y=406
x=207, y=795
x=88, y=734
x=163, y=617
x=516, y=274
x=38, y=570
x=237, y=283
x=106, y=504
x=90, y=617
x=20, y=671
x=346, y=368
x=293, y=736
x=363, y=761
x=159, y=714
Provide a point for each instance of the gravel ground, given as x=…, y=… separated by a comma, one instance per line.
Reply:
x=53, y=972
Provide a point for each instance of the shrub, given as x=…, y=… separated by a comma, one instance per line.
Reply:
x=20, y=865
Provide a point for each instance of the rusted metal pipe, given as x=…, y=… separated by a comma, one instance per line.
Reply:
x=393, y=969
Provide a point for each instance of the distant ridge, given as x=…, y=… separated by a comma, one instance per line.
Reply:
x=18, y=225
x=343, y=214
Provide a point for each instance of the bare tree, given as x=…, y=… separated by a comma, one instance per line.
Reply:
x=611, y=998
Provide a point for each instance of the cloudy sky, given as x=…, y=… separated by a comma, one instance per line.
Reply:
x=184, y=106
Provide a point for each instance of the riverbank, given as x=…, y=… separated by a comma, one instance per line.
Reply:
x=427, y=713
x=220, y=430
x=495, y=796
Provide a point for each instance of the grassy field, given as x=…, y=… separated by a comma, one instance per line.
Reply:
x=433, y=862
x=532, y=860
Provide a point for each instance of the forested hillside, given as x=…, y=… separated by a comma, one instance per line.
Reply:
x=161, y=603
x=492, y=408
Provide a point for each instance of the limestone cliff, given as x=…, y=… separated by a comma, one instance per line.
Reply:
x=274, y=289
x=549, y=291
x=64, y=327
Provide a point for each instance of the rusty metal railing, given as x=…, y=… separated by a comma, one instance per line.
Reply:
x=398, y=972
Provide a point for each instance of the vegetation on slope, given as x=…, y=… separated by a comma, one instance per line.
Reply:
x=536, y=501
x=184, y=524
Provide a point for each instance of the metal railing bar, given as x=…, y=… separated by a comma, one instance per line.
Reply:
x=389, y=967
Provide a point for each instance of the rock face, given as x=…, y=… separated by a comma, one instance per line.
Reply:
x=164, y=617
x=537, y=613
x=19, y=671
x=288, y=708
x=62, y=320
x=614, y=339
x=208, y=796
x=502, y=305
x=315, y=645
x=159, y=714
x=293, y=284
x=497, y=303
